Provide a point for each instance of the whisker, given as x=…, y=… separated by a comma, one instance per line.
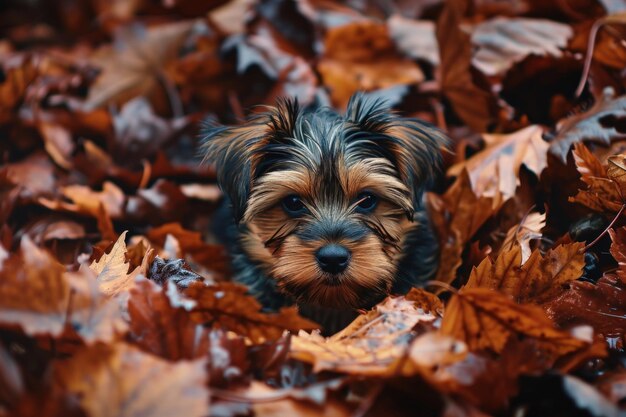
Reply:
x=274, y=237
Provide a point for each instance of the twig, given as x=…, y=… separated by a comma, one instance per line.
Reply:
x=619, y=213
x=593, y=33
x=443, y=285
x=145, y=174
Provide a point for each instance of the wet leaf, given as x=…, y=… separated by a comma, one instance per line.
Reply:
x=601, y=305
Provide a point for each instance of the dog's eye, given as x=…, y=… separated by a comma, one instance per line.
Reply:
x=367, y=202
x=293, y=205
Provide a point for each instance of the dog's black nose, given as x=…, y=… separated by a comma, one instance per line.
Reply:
x=333, y=258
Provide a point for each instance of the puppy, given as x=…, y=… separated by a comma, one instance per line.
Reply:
x=327, y=208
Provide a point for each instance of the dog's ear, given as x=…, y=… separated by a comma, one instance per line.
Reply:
x=235, y=151
x=413, y=146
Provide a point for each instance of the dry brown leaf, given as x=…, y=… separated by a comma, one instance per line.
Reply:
x=95, y=317
x=616, y=171
x=432, y=351
x=424, y=300
x=211, y=256
x=134, y=65
x=34, y=293
x=360, y=56
x=447, y=366
x=538, y=279
x=618, y=251
x=37, y=294
x=486, y=319
x=111, y=197
x=58, y=143
x=599, y=125
x=602, y=194
x=160, y=323
x=140, y=133
x=475, y=106
x=501, y=42
x=587, y=164
x=227, y=305
x=228, y=17
x=415, y=38
x=371, y=344
x=119, y=380
x=19, y=73
x=495, y=169
x=523, y=233
x=102, y=205
x=457, y=215
x=290, y=402
x=35, y=174
x=112, y=269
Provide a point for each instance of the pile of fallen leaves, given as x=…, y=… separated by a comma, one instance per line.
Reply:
x=116, y=299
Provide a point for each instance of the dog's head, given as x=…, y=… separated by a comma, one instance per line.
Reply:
x=325, y=199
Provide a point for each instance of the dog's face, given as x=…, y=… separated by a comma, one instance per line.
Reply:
x=325, y=200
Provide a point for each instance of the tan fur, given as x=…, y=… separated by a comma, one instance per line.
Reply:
x=292, y=263
x=297, y=273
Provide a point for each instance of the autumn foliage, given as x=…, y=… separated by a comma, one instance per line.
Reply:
x=116, y=299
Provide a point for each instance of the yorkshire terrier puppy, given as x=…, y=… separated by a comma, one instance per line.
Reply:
x=328, y=208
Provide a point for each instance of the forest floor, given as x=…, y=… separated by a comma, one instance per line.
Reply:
x=116, y=300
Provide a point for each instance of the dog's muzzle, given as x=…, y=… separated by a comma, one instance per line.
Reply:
x=333, y=258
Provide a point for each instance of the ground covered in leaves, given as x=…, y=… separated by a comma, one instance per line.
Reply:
x=115, y=298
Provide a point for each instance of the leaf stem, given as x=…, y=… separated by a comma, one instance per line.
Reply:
x=619, y=213
x=593, y=33
x=440, y=284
